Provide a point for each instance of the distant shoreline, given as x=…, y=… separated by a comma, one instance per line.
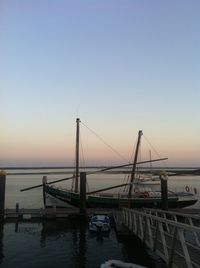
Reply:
x=172, y=171
x=96, y=167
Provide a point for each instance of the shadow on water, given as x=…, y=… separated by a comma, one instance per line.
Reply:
x=135, y=251
x=1, y=243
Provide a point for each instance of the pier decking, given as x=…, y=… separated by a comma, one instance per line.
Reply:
x=51, y=213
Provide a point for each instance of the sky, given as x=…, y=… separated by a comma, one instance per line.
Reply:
x=119, y=65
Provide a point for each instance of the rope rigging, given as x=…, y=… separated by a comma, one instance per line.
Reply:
x=77, y=173
x=152, y=147
x=90, y=173
x=104, y=142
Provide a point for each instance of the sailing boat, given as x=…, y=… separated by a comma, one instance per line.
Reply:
x=56, y=197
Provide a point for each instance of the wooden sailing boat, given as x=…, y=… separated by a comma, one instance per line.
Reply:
x=56, y=197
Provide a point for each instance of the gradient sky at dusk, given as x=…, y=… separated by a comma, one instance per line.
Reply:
x=120, y=65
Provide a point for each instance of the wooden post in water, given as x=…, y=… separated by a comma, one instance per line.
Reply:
x=83, y=193
x=44, y=182
x=2, y=192
x=164, y=191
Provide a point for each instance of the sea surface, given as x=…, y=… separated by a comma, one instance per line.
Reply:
x=68, y=243
x=24, y=178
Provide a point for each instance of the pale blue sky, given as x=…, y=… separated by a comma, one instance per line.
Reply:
x=120, y=66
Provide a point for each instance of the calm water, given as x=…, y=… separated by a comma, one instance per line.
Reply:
x=33, y=198
x=68, y=243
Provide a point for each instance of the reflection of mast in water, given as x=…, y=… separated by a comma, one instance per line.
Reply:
x=82, y=244
x=79, y=245
x=43, y=236
x=53, y=229
x=1, y=243
x=74, y=235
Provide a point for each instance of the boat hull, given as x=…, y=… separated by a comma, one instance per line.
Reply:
x=64, y=198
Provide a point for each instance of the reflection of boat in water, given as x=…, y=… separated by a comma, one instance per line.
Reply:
x=141, y=193
x=99, y=223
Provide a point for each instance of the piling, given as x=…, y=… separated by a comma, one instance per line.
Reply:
x=83, y=193
x=17, y=207
x=2, y=192
x=164, y=190
x=44, y=182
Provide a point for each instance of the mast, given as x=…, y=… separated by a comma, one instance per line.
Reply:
x=134, y=163
x=150, y=164
x=77, y=155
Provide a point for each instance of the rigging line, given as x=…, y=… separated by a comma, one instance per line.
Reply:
x=152, y=146
x=125, y=181
x=82, y=154
x=90, y=173
x=121, y=156
x=51, y=182
x=74, y=171
x=125, y=165
x=127, y=176
x=83, y=161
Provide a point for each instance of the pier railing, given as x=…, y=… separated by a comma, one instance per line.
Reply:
x=175, y=237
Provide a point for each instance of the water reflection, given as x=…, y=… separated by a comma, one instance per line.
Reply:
x=1, y=242
x=99, y=235
x=71, y=232
x=82, y=245
x=16, y=226
x=62, y=243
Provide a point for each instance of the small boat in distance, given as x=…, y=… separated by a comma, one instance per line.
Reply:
x=99, y=223
x=136, y=197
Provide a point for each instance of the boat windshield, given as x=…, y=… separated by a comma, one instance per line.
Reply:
x=100, y=218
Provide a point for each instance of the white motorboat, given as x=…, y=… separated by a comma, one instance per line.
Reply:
x=99, y=223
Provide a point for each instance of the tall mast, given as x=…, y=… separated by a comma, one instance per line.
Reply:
x=77, y=155
x=150, y=163
x=134, y=163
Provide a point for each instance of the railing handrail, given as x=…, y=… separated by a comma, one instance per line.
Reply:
x=174, y=213
x=162, y=235
x=166, y=221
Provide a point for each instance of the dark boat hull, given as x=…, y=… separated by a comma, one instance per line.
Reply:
x=64, y=198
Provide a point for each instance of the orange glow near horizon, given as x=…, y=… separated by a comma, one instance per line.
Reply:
x=51, y=147
x=93, y=154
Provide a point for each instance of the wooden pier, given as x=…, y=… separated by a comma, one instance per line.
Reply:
x=51, y=213
x=174, y=236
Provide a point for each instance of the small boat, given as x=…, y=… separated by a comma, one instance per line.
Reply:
x=99, y=223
